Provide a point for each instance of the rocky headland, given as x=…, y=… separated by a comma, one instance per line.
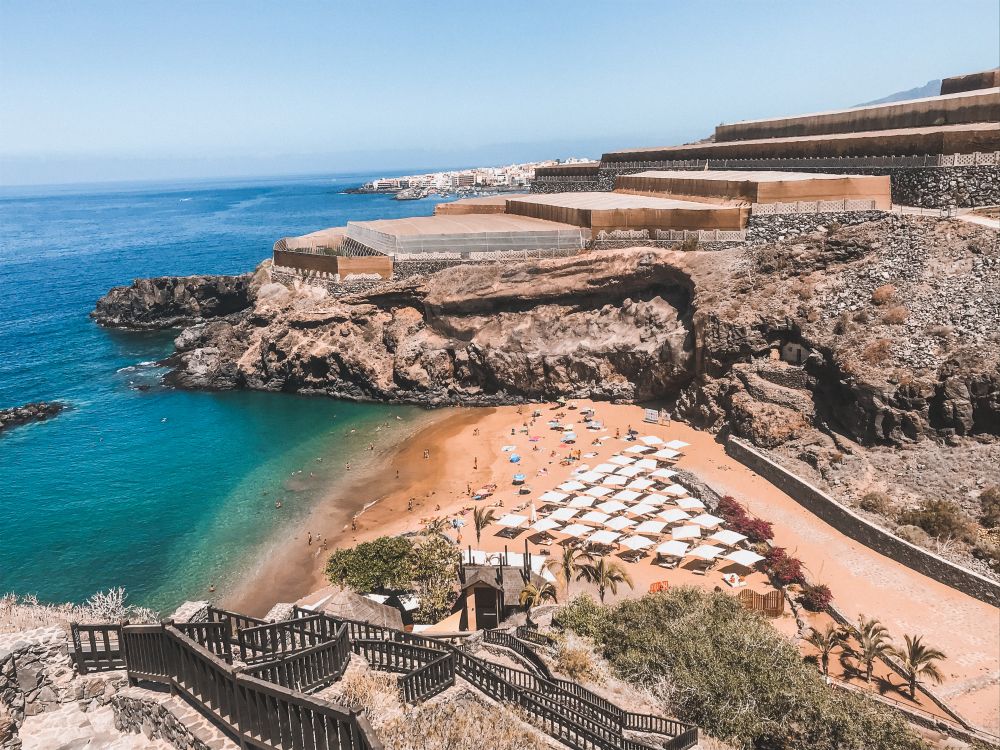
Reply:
x=844, y=352
x=28, y=413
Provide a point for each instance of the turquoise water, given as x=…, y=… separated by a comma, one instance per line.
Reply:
x=158, y=490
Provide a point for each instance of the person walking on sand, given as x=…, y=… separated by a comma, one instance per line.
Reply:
x=427, y=453
x=409, y=505
x=475, y=462
x=354, y=523
x=309, y=540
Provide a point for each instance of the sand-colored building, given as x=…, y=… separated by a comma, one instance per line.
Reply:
x=757, y=186
x=485, y=204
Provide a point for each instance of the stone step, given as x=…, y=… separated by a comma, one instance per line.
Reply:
x=156, y=715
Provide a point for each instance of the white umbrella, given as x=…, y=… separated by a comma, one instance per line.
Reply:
x=572, y=486
x=563, y=514
x=553, y=497
x=545, y=524
x=686, y=532
x=630, y=471
x=612, y=506
x=621, y=460
x=654, y=499
x=676, y=490
x=650, y=527
x=512, y=520
x=727, y=537
x=595, y=516
x=745, y=557
x=706, y=552
x=606, y=468
x=663, y=474
x=641, y=509
x=582, y=501
x=598, y=491
x=603, y=537
x=707, y=520
x=651, y=440
x=640, y=484
x=646, y=463
x=677, y=445
x=615, y=480
x=690, y=503
x=666, y=454
x=638, y=449
x=618, y=523
x=672, y=549
x=673, y=515
x=590, y=477
x=636, y=542
x=627, y=495
x=576, y=529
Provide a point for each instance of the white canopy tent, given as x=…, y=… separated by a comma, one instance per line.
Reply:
x=642, y=509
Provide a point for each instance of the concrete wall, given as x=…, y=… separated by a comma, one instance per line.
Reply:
x=984, y=79
x=847, y=522
x=954, y=109
x=651, y=219
x=335, y=264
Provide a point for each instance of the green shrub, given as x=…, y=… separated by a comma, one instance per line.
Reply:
x=939, y=518
x=729, y=671
x=380, y=564
x=989, y=500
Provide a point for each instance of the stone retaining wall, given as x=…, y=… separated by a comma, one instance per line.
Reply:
x=773, y=227
x=847, y=522
x=165, y=717
x=565, y=186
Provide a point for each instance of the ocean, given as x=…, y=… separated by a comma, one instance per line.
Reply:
x=162, y=491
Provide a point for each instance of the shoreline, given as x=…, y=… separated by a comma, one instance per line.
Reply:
x=290, y=566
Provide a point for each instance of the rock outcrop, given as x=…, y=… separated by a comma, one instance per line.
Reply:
x=33, y=412
x=171, y=301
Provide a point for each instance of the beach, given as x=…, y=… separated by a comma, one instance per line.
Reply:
x=465, y=452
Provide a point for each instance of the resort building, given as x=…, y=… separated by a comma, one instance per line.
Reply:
x=491, y=586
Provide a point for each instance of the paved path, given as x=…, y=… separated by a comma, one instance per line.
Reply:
x=866, y=582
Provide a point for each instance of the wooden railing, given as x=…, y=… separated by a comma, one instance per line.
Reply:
x=429, y=680
x=507, y=640
x=265, y=642
x=96, y=648
x=309, y=670
x=259, y=714
x=234, y=620
x=212, y=635
x=531, y=635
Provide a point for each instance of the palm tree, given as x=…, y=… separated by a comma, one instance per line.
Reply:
x=918, y=660
x=436, y=526
x=531, y=596
x=873, y=644
x=481, y=518
x=568, y=565
x=605, y=576
x=825, y=641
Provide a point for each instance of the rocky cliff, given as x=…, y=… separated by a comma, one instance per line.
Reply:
x=172, y=301
x=34, y=412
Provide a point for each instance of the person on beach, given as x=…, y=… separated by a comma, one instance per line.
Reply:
x=348, y=465
x=354, y=523
x=475, y=462
x=309, y=540
x=371, y=446
x=427, y=453
x=409, y=505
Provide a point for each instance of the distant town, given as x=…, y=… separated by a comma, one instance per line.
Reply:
x=479, y=179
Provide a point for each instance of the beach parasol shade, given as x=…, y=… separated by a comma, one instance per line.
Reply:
x=666, y=454
x=690, y=503
x=727, y=537
x=636, y=542
x=676, y=490
x=745, y=557
x=618, y=523
x=677, y=445
x=603, y=537
x=572, y=486
x=638, y=449
x=654, y=500
x=673, y=515
x=646, y=463
x=621, y=460
x=595, y=516
x=672, y=549
x=686, y=532
x=514, y=458
x=627, y=496
x=582, y=501
x=707, y=520
x=545, y=524
x=612, y=506
x=518, y=478
x=563, y=514
x=615, y=480
x=598, y=491
x=512, y=520
x=630, y=471
x=591, y=477
x=552, y=497
x=663, y=474
x=640, y=484
x=576, y=529
x=650, y=527
x=706, y=552
x=641, y=509
x=651, y=440
x=606, y=468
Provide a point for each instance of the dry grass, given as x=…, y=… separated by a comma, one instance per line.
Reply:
x=877, y=351
x=895, y=315
x=26, y=612
x=452, y=721
x=884, y=294
x=576, y=660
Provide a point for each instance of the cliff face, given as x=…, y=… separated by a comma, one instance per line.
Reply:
x=614, y=328
x=171, y=301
